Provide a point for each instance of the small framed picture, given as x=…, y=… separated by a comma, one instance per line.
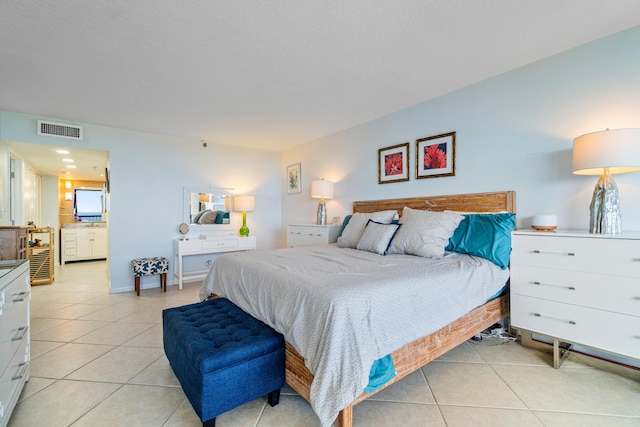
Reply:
x=393, y=164
x=294, y=179
x=436, y=156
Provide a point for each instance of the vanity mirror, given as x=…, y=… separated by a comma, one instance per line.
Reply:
x=207, y=208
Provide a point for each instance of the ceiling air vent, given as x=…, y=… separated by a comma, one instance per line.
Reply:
x=59, y=130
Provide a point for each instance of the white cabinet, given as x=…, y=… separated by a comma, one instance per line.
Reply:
x=207, y=244
x=15, y=293
x=83, y=243
x=578, y=288
x=311, y=234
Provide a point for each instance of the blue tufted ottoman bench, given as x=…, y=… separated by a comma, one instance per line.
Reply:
x=147, y=267
x=222, y=356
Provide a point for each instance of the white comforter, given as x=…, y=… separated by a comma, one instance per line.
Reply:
x=342, y=308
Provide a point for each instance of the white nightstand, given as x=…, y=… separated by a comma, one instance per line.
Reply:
x=578, y=288
x=311, y=234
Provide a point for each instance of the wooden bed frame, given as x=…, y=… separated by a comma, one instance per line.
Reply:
x=418, y=353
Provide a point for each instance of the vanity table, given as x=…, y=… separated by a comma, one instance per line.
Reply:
x=207, y=244
x=216, y=234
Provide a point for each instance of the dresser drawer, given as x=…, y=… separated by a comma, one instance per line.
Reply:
x=14, y=317
x=618, y=333
x=612, y=293
x=618, y=257
x=12, y=380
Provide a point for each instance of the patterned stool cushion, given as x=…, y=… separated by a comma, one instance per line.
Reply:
x=149, y=266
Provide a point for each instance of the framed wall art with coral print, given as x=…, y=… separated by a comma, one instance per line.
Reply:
x=294, y=179
x=393, y=164
x=436, y=156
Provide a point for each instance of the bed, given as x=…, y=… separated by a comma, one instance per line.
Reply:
x=337, y=388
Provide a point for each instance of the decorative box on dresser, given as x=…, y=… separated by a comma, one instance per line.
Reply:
x=578, y=288
x=14, y=333
x=311, y=234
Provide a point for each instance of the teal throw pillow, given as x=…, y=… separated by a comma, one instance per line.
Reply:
x=485, y=235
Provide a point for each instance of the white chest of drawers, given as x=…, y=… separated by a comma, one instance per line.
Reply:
x=15, y=293
x=219, y=243
x=578, y=288
x=311, y=234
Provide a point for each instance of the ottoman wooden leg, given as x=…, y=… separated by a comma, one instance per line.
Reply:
x=163, y=281
x=137, y=281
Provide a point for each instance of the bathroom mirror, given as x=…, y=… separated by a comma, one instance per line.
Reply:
x=207, y=208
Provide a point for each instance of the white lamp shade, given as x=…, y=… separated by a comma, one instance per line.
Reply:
x=616, y=149
x=321, y=188
x=244, y=203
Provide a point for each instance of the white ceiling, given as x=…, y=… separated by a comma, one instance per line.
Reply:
x=272, y=74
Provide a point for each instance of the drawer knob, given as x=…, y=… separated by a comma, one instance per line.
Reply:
x=23, y=368
x=20, y=333
x=19, y=297
x=571, y=288
x=535, y=251
x=571, y=322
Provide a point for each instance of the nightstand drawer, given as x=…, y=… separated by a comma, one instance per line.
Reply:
x=618, y=333
x=596, y=255
x=612, y=293
x=301, y=235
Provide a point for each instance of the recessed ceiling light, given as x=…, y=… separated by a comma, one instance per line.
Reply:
x=71, y=166
x=68, y=160
x=62, y=151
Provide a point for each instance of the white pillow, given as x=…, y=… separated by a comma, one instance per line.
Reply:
x=353, y=231
x=424, y=233
x=377, y=237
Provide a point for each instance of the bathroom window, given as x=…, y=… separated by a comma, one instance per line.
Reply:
x=87, y=205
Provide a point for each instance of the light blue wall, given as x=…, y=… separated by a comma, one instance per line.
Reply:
x=148, y=173
x=514, y=132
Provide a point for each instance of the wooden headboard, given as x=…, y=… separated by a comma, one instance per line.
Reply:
x=474, y=202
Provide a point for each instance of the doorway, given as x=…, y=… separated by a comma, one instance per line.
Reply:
x=43, y=179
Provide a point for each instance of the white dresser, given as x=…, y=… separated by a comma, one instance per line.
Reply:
x=207, y=244
x=578, y=288
x=311, y=234
x=15, y=293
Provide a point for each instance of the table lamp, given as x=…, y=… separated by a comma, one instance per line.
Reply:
x=606, y=153
x=323, y=190
x=244, y=204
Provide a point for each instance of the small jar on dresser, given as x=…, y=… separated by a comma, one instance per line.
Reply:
x=311, y=234
x=578, y=288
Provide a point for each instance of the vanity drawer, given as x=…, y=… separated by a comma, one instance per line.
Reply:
x=612, y=293
x=220, y=244
x=596, y=255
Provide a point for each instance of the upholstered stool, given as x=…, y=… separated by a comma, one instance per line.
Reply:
x=148, y=267
x=222, y=356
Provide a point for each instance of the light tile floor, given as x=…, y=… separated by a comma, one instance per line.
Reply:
x=97, y=360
